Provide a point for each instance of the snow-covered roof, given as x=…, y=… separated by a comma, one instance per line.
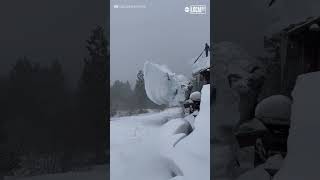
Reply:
x=291, y=13
x=203, y=63
x=291, y=28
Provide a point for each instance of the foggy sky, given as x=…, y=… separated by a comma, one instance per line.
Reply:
x=48, y=29
x=161, y=33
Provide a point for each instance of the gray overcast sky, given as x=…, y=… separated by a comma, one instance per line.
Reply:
x=162, y=33
x=48, y=29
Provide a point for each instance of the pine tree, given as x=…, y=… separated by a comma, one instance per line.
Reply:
x=93, y=96
x=140, y=92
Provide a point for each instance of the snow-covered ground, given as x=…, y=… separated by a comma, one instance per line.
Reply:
x=136, y=144
x=97, y=173
x=162, y=146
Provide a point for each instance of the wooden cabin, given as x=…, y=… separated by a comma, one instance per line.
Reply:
x=201, y=70
x=299, y=51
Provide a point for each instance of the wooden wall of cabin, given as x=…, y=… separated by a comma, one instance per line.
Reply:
x=292, y=65
x=312, y=52
x=302, y=56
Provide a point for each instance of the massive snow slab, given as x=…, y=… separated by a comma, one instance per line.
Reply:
x=191, y=155
x=162, y=86
x=302, y=160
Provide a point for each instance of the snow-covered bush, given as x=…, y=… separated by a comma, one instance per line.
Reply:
x=276, y=107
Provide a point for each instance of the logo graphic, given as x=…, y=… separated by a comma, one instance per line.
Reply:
x=196, y=9
x=187, y=9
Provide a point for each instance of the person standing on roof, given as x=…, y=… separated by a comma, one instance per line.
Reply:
x=206, y=49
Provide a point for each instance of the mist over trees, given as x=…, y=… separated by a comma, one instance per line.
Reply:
x=45, y=121
x=133, y=100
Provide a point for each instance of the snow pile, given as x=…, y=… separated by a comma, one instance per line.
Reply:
x=302, y=160
x=135, y=143
x=229, y=60
x=255, y=174
x=201, y=64
x=261, y=172
x=277, y=106
x=164, y=87
x=274, y=162
x=195, y=96
x=192, y=154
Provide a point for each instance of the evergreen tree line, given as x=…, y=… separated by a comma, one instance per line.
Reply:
x=132, y=100
x=40, y=114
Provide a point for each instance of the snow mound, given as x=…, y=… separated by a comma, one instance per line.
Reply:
x=195, y=96
x=274, y=162
x=255, y=174
x=302, y=160
x=201, y=64
x=176, y=126
x=177, y=178
x=277, y=106
x=135, y=143
x=164, y=87
x=192, y=153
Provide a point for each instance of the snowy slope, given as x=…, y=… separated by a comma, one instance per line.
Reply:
x=158, y=146
x=135, y=146
x=162, y=86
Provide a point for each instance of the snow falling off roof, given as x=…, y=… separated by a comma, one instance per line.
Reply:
x=162, y=86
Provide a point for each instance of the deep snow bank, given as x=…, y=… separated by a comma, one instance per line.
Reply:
x=192, y=154
x=135, y=145
x=162, y=86
x=302, y=160
x=229, y=60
